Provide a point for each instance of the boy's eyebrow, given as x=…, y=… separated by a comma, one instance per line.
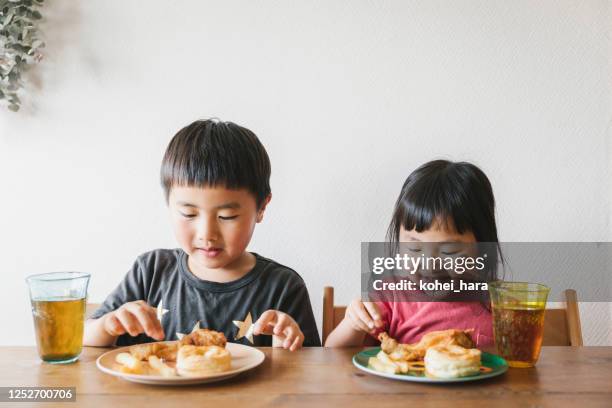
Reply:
x=186, y=204
x=233, y=205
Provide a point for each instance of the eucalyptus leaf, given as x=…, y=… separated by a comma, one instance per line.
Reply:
x=19, y=42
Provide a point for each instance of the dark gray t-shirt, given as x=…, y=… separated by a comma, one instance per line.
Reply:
x=162, y=277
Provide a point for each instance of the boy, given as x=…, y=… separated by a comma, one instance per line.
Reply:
x=215, y=176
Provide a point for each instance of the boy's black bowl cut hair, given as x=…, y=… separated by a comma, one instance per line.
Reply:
x=211, y=153
x=457, y=194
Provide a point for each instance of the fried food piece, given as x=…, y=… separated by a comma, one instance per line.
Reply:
x=130, y=364
x=416, y=351
x=163, y=369
x=450, y=337
x=385, y=363
x=142, y=351
x=169, y=352
x=379, y=365
x=204, y=337
x=166, y=351
x=397, y=351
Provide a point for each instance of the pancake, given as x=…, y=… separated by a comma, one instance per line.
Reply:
x=195, y=361
x=452, y=361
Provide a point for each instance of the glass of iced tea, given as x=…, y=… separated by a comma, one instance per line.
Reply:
x=518, y=320
x=58, y=307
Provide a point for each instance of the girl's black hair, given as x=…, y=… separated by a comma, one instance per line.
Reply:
x=456, y=194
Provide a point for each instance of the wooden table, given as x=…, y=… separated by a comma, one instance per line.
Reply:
x=313, y=377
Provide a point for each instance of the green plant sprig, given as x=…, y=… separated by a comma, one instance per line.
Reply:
x=20, y=45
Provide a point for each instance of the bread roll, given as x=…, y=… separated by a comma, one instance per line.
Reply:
x=195, y=361
x=452, y=361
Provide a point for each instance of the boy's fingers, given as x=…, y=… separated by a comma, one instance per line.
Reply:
x=290, y=333
x=147, y=318
x=114, y=326
x=261, y=325
x=297, y=343
x=156, y=330
x=129, y=322
x=294, y=338
x=374, y=313
x=282, y=322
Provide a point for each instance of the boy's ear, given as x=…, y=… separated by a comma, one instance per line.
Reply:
x=262, y=209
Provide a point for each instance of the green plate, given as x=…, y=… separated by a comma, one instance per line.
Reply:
x=496, y=363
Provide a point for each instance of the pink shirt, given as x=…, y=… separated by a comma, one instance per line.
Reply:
x=407, y=322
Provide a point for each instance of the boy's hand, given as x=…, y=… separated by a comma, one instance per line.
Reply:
x=282, y=327
x=134, y=318
x=363, y=316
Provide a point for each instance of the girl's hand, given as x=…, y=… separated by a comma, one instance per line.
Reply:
x=363, y=316
x=286, y=332
x=134, y=318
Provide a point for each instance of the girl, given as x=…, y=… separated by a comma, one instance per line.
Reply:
x=441, y=201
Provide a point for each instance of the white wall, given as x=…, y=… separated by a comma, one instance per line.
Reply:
x=347, y=96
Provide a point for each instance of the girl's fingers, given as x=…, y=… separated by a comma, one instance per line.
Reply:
x=372, y=309
x=129, y=322
x=363, y=314
x=356, y=322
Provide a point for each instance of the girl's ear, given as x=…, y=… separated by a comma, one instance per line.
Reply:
x=262, y=209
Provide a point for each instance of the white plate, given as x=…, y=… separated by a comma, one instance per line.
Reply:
x=243, y=358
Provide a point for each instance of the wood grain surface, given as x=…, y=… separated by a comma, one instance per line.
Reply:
x=564, y=376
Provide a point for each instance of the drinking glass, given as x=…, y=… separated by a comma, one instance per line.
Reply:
x=58, y=307
x=518, y=320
